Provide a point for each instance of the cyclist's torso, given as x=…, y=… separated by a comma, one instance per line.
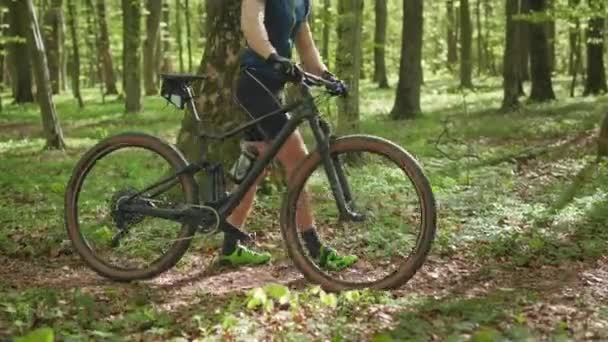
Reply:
x=283, y=19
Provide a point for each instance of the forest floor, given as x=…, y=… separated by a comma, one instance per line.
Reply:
x=521, y=251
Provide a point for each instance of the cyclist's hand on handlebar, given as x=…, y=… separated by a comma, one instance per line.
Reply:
x=337, y=86
x=285, y=67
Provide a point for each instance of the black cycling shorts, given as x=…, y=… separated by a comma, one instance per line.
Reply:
x=258, y=93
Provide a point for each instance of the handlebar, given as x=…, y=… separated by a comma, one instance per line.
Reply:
x=334, y=88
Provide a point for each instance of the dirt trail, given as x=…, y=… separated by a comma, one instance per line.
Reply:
x=570, y=293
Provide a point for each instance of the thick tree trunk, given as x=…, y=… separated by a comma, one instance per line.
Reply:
x=73, y=24
x=153, y=7
x=220, y=63
x=452, y=40
x=326, y=31
x=596, y=71
x=50, y=121
x=348, y=62
x=53, y=21
x=19, y=56
x=511, y=72
x=131, y=14
x=542, y=85
x=380, y=44
x=104, y=49
x=178, y=36
x=407, y=101
x=466, y=37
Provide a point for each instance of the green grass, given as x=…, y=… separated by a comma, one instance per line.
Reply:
x=547, y=211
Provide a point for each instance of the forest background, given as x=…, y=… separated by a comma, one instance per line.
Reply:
x=501, y=101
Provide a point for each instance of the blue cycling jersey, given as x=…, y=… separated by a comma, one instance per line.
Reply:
x=283, y=19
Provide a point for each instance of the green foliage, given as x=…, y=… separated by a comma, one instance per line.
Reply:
x=38, y=335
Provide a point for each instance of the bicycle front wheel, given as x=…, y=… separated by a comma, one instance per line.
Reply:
x=128, y=245
x=392, y=222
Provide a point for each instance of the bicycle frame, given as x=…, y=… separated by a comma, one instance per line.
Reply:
x=300, y=111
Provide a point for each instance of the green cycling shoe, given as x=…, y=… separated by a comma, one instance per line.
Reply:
x=332, y=261
x=244, y=256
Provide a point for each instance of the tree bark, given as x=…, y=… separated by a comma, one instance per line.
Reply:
x=50, y=121
x=542, y=85
x=220, y=63
x=602, y=141
x=524, y=42
x=326, y=31
x=178, y=36
x=348, y=62
x=480, y=39
x=73, y=24
x=53, y=21
x=153, y=7
x=131, y=14
x=380, y=44
x=188, y=34
x=19, y=62
x=407, y=101
x=466, y=37
x=167, y=65
x=109, y=77
x=452, y=41
x=596, y=71
x=511, y=72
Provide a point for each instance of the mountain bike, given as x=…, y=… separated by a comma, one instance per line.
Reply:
x=134, y=204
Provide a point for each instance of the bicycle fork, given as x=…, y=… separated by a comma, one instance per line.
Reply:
x=335, y=172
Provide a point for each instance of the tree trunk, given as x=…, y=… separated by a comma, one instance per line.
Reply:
x=602, y=142
x=480, y=39
x=524, y=42
x=153, y=7
x=167, y=65
x=50, y=121
x=380, y=44
x=178, y=36
x=452, y=41
x=348, y=62
x=326, y=31
x=92, y=44
x=220, y=63
x=73, y=24
x=573, y=35
x=131, y=14
x=542, y=85
x=407, y=101
x=596, y=71
x=466, y=37
x=53, y=21
x=188, y=34
x=511, y=72
x=104, y=49
x=19, y=61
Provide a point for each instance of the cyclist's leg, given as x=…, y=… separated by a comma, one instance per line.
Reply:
x=257, y=94
x=290, y=156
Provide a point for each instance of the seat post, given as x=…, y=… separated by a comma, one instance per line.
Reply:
x=192, y=103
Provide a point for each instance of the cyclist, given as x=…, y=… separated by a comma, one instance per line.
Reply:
x=271, y=28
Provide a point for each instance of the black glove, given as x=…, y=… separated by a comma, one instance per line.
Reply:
x=284, y=66
x=338, y=87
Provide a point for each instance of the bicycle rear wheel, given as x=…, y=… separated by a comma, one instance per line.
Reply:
x=120, y=245
x=386, y=186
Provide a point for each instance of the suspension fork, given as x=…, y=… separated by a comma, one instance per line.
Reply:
x=335, y=172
